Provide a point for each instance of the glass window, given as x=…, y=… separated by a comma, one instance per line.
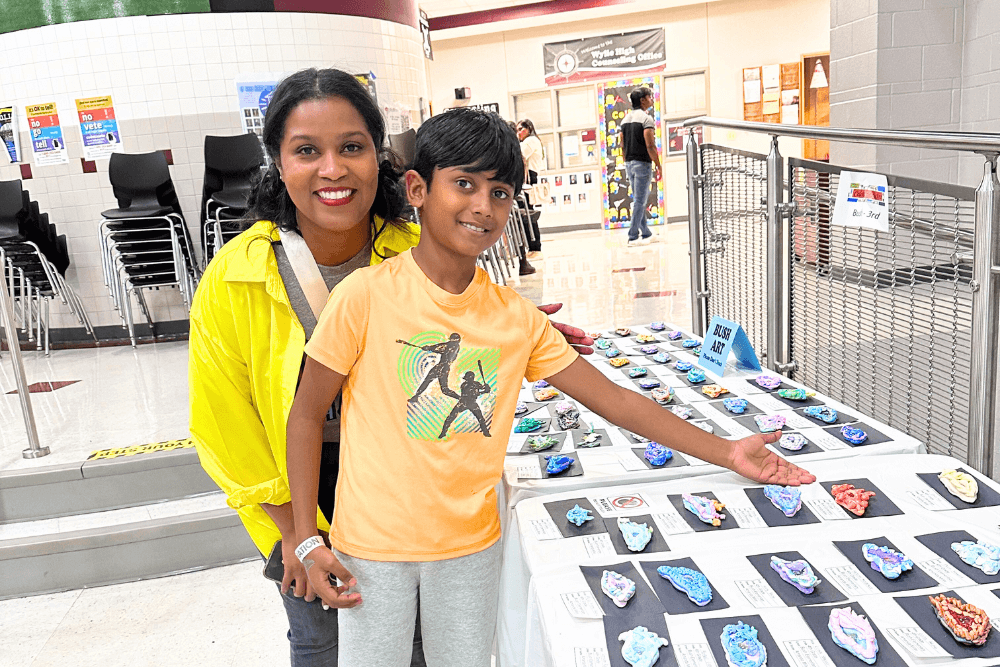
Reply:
x=683, y=95
x=577, y=106
x=535, y=106
x=549, y=147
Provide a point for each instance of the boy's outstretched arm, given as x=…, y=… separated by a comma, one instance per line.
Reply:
x=317, y=388
x=630, y=410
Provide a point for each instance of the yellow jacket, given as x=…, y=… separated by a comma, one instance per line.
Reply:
x=245, y=354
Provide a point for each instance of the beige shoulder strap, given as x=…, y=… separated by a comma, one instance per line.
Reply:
x=306, y=271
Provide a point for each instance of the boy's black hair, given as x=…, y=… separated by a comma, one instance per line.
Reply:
x=474, y=140
x=636, y=96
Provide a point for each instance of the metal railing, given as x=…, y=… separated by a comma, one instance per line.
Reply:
x=901, y=324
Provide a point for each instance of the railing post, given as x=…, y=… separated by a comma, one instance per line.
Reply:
x=698, y=314
x=34, y=451
x=984, y=320
x=777, y=311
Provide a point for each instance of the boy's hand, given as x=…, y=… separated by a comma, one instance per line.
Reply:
x=578, y=338
x=750, y=458
x=321, y=565
x=295, y=574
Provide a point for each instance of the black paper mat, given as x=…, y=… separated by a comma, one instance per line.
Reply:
x=921, y=610
x=559, y=436
x=614, y=626
x=675, y=601
x=987, y=496
x=878, y=505
x=656, y=542
x=676, y=461
x=818, y=619
x=789, y=594
x=749, y=422
x=713, y=632
x=940, y=543
x=910, y=580
x=716, y=429
x=578, y=435
x=544, y=428
x=809, y=448
x=642, y=605
x=842, y=418
x=874, y=437
x=750, y=411
x=797, y=404
x=557, y=510
x=575, y=470
x=772, y=515
x=533, y=406
x=696, y=523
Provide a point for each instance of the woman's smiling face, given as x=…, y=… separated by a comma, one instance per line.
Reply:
x=329, y=164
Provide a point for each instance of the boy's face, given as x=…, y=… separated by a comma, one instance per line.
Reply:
x=463, y=213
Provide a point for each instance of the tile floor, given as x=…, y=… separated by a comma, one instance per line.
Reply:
x=231, y=615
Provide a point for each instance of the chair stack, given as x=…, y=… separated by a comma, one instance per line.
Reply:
x=145, y=243
x=502, y=259
x=231, y=163
x=35, y=260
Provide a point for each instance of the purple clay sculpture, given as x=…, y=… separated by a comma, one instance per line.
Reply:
x=649, y=349
x=768, y=381
x=796, y=572
x=657, y=454
x=788, y=499
x=618, y=587
x=769, y=423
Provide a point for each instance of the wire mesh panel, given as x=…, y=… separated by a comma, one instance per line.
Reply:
x=734, y=238
x=882, y=321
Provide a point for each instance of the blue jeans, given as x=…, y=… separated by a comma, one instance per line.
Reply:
x=313, y=634
x=640, y=175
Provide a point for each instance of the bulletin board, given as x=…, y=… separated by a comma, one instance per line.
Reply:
x=771, y=93
x=613, y=104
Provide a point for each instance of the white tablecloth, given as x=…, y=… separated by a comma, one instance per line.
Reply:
x=536, y=628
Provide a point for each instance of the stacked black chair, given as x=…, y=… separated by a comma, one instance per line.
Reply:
x=405, y=146
x=231, y=163
x=145, y=243
x=34, y=264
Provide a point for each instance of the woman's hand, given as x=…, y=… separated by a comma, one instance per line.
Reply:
x=578, y=338
x=320, y=565
x=749, y=457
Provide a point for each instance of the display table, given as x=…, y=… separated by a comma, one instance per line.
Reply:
x=912, y=513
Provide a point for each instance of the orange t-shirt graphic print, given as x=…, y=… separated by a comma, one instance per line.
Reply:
x=452, y=387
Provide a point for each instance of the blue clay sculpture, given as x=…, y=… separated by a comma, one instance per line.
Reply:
x=661, y=357
x=521, y=408
x=657, y=454
x=611, y=353
x=692, y=583
x=558, y=463
x=682, y=411
x=541, y=384
x=788, y=499
x=695, y=376
x=691, y=342
x=636, y=535
x=983, y=555
x=649, y=383
x=641, y=647
x=824, y=413
x=675, y=335
x=735, y=405
x=602, y=344
x=888, y=561
x=798, y=573
x=657, y=326
x=649, y=349
x=793, y=442
x=853, y=435
x=578, y=515
x=636, y=372
x=683, y=366
x=742, y=647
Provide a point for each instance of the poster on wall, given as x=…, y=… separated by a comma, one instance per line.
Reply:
x=425, y=35
x=369, y=82
x=47, y=141
x=616, y=195
x=677, y=138
x=9, y=134
x=99, y=128
x=253, y=94
x=623, y=54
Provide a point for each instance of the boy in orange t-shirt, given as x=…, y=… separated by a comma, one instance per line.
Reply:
x=430, y=355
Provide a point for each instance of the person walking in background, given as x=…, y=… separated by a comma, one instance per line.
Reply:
x=532, y=155
x=642, y=162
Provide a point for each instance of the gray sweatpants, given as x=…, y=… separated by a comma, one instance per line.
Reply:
x=458, y=600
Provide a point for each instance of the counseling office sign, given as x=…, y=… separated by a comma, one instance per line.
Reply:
x=605, y=57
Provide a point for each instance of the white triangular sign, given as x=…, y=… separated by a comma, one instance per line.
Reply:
x=819, y=76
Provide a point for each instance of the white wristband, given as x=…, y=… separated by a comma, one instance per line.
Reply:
x=307, y=545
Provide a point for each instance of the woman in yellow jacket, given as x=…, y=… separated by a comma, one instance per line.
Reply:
x=330, y=182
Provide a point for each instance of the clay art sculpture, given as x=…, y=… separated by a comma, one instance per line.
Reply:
x=649, y=349
x=602, y=344
x=793, y=442
x=853, y=633
x=541, y=384
x=714, y=390
x=529, y=424
x=619, y=362
x=657, y=326
x=661, y=357
x=788, y=499
x=641, y=647
x=690, y=342
x=793, y=394
x=578, y=515
x=889, y=562
x=657, y=454
x=798, y=573
x=638, y=438
x=706, y=509
x=742, y=647
x=962, y=485
x=695, y=376
x=546, y=394
x=704, y=426
x=662, y=395
x=539, y=443
x=824, y=413
x=521, y=408
x=591, y=439
x=683, y=366
x=853, y=435
x=649, y=383
x=696, y=351
x=967, y=623
x=735, y=405
x=852, y=499
x=980, y=554
x=623, y=331
x=558, y=463
x=567, y=415
x=636, y=535
x=636, y=372
x=692, y=583
x=682, y=411
x=768, y=381
x=645, y=338
x=769, y=423
x=618, y=587
x=611, y=353
x=675, y=335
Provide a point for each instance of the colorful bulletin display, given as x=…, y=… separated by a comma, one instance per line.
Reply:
x=9, y=134
x=99, y=128
x=614, y=103
x=47, y=141
x=253, y=93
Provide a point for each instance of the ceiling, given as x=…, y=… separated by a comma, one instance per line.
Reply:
x=435, y=8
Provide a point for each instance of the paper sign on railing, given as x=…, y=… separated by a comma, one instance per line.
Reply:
x=721, y=338
x=861, y=201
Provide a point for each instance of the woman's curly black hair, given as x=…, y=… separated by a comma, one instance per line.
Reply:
x=269, y=200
